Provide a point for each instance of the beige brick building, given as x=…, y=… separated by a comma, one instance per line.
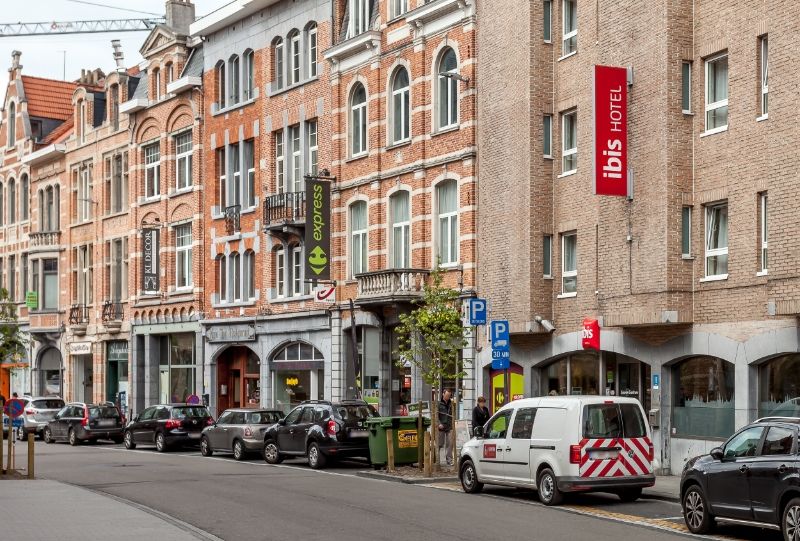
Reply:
x=694, y=279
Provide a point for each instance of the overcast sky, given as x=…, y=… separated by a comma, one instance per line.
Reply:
x=53, y=55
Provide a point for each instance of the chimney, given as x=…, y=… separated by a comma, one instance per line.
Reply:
x=119, y=56
x=16, y=68
x=180, y=14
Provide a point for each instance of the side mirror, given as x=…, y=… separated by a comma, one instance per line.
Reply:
x=716, y=453
x=477, y=431
x=282, y=422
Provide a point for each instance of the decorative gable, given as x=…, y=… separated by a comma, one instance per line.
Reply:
x=160, y=37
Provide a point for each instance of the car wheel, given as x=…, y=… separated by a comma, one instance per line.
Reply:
x=630, y=494
x=238, y=450
x=695, y=511
x=469, y=478
x=128, y=439
x=548, y=488
x=72, y=437
x=315, y=457
x=161, y=443
x=205, y=447
x=47, y=435
x=790, y=524
x=271, y=453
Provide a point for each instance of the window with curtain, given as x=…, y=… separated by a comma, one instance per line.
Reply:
x=400, y=106
x=249, y=74
x=358, y=121
x=358, y=12
x=447, y=102
x=294, y=55
x=447, y=211
x=311, y=49
x=183, y=256
x=570, y=35
x=717, y=240
x=717, y=93
x=358, y=238
x=277, y=64
x=569, y=263
x=233, y=80
x=569, y=138
x=401, y=230
x=221, y=85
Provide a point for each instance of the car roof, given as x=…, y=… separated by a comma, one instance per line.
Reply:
x=44, y=398
x=254, y=410
x=785, y=420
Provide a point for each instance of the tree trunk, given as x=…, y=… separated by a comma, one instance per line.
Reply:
x=435, y=430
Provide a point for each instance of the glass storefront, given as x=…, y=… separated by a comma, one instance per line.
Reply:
x=779, y=387
x=177, y=367
x=50, y=373
x=297, y=375
x=703, y=401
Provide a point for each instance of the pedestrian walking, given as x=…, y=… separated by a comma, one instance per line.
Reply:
x=445, y=426
x=480, y=413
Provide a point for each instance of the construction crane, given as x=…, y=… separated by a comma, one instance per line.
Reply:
x=79, y=27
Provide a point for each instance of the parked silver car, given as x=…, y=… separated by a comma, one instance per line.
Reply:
x=238, y=431
x=38, y=411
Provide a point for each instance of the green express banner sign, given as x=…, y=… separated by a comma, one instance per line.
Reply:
x=318, y=230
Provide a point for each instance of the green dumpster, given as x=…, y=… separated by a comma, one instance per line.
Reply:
x=404, y=436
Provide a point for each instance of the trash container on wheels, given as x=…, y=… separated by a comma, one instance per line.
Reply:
x=404, y=438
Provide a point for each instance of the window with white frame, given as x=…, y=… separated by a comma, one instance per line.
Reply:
x=235, y=269
x=764, y=76
x=717, y=93
x=358, y=17
x=358, y=238
x=401, y=102
x=294, y=52
x=447, y=212
x=569, y=263
x=313, y=147
x=222, y=270
x=233, y=80
x=222, y=91
x=12, y=201
x=569, y=38
x=82, y=274
x=547, y=21
x=249, y=275
x=358, y=121
x=547, y=256
x=569, y=142
x=398, y=7
x=249, y=75
x=299, y=287
x=277, y=63
x=82, y=121
x=401, y=230
x=280, y=273
x=235, y=187
x=84, y=194
x=119, y=269
x=250, y=172
x=116, y=171
x=717, y=240
x=447, y=102
x=311, y=48
x=222, y=176
x=152, y=171
x=183, y=159
x=297, y=158
x=763, y=215
x=547, y=135
x=686, y=87
x=157, y=84
x=686, y=231
x=280, y=167
x=183, y=256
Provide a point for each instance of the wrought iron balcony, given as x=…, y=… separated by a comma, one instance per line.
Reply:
x=45, y=239
x=79, y=318
x=233, y=216
x=391, y=285
x=112, y=315
x=285, y=209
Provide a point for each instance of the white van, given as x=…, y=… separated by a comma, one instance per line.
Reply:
x=558, y=444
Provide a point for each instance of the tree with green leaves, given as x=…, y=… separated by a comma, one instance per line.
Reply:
x=13, y=342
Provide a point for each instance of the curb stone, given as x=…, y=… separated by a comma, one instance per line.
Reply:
x=405, y=480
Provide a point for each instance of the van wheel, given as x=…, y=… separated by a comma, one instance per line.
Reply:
x=630, y=494
x=469, y=478
x=790, y=524
x=548, y=488
x=315, y=457
x=695, y=511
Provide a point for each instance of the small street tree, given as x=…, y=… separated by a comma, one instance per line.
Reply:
x=431, y=338
x=12, y=341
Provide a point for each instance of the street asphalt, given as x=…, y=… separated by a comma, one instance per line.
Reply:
x=251, y=500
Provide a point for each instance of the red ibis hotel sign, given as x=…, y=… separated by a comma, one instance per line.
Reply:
x=590, y=335
x=610, y=131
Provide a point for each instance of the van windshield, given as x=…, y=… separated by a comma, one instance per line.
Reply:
x=613, y=421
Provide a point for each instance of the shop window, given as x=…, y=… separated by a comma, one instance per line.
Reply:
x=703, y=403
x=779, y=387
x=297, y=375
x=177, y=369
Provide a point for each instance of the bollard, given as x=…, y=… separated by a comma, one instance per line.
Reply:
x=420, y=437
x=452, y=434
x=10, y=458
x=390, y=449
x=427, y=452
x=31, y=447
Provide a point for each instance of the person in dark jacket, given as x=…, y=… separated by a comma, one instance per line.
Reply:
x=480, y=414
x=445, y=417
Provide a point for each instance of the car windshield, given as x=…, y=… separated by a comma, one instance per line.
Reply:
x=48, y=404
x=104, y=412
x=354, y=412
x=263, y=417
x=189, y=411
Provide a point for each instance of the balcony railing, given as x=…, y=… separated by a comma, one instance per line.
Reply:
x=285, y=209
x=79, y=314
x=233, y=216
x=45, y=239
x=391, y=285
x=112, y=311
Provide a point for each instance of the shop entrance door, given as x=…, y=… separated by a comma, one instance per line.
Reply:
x=629, y=381
x=234, y=389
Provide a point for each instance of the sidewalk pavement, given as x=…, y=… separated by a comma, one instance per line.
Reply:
x=96, y=516
x=667, y=487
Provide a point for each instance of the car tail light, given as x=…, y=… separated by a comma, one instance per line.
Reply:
x=331, y=427
x=85, y=420
x=650, y=452
x=172, y=423
x=209, y=421
x=247, y=432
x=31, y=411
x=574, y=454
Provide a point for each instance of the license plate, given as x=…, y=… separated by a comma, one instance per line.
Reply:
x=358, y=434
x=194, y=435
x=106, y=422
x=602, y=455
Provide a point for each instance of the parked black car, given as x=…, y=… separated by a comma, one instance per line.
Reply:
x=167, y=425
x=78, y=422
x=753, y=479
x=320, y=430
x=238, y=431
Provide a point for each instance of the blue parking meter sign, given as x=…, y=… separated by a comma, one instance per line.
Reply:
x=477, y=311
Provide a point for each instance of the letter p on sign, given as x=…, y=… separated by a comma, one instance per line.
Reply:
x=477, y=311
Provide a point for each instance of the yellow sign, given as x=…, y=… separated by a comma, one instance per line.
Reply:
x=406, y=439
x=292, y=381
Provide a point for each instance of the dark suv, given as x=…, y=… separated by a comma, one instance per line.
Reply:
x=753, y=479
x=167, y=425
x=77, y=422
x=320, y=431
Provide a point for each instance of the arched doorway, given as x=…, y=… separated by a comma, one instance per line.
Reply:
x=238, y=379
x=50, y=373
x=298, y=374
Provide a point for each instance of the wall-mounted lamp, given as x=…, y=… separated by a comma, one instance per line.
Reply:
x=549, y=327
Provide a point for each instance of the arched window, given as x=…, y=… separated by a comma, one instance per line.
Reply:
x=170, y=72
x=233, y=80
x=311, y=49
x=294, y=57
x=25, y=188
x=12, y=201
x=401, y=230
x=81, y=121
x=221, y=85
x=280, y=273
x=249, y=74
x=400, y=106
x=249, y=275
x=358, y=238
x=447, y=101
x=157, y=84
x=222, y=275
x=12, y=124
x=704, y=398
x=235, y=269
x=447, y=211
x=277, y=63
x=358, y=121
